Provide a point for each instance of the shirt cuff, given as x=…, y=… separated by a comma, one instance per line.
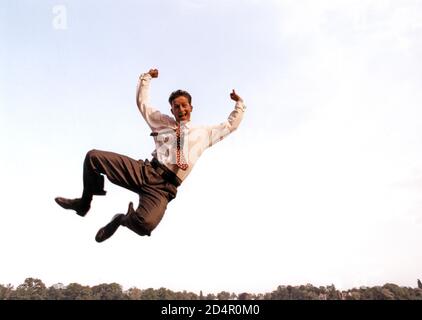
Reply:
x=145, y=76
x=240, y=105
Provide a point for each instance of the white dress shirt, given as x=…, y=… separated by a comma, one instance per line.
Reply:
x=196, y=138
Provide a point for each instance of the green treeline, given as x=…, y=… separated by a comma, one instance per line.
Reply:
x=35, y=289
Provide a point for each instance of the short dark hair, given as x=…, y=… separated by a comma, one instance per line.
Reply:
x=179, y=93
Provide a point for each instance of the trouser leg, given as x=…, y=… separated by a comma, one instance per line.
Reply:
x=150, y=211
x=154, y=194
x=119, y=169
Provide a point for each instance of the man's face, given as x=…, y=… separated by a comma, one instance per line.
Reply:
x=181, y=109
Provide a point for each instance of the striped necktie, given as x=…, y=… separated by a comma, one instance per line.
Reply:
x=180, y=158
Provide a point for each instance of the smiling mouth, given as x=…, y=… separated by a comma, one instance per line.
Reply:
x=182, y=115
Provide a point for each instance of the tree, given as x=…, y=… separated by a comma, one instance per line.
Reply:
x=54, y=293
x=185, y=295
x=134, y=293
x=333, y=293
x=259, y=296
x=75, y=291
x=387, y=294
x=244, y=296
x=6, y=291
x=397, y=293
x=353, y=295
x=165, y=294
x=210, y=296
x=31, y=289
x=149, y=294
x=282, y=293
x=107, y=291
x=223, y=295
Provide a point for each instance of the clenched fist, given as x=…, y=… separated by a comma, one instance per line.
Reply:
x=153, y=73
x=234, y=96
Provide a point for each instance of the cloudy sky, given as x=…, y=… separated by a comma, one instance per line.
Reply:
x=321, y=184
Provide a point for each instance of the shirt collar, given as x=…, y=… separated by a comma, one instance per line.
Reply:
x=185, y=124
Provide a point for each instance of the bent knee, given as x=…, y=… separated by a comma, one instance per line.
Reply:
x=139, y=225
x=93, y=153
x=139, y=228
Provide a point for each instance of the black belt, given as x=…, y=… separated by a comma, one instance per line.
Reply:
x=165, y=172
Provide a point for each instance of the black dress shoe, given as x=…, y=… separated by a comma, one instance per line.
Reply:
x=81, y=207
x=108, y=230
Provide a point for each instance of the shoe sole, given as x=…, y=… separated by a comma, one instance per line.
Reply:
x=64, y=206
x=108, y=230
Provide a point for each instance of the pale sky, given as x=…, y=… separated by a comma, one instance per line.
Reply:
x=321, y=183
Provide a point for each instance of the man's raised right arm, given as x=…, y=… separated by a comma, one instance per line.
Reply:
x=153, y=117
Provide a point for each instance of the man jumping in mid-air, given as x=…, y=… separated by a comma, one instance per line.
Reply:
x=178, y=146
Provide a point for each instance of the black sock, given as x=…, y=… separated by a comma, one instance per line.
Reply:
x=123, y=220
x=86, y=197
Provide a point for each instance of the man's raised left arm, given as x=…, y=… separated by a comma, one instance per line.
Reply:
x=218, y=132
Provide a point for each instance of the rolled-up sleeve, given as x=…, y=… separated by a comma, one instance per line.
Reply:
x=220, y=131
x=152, y=116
